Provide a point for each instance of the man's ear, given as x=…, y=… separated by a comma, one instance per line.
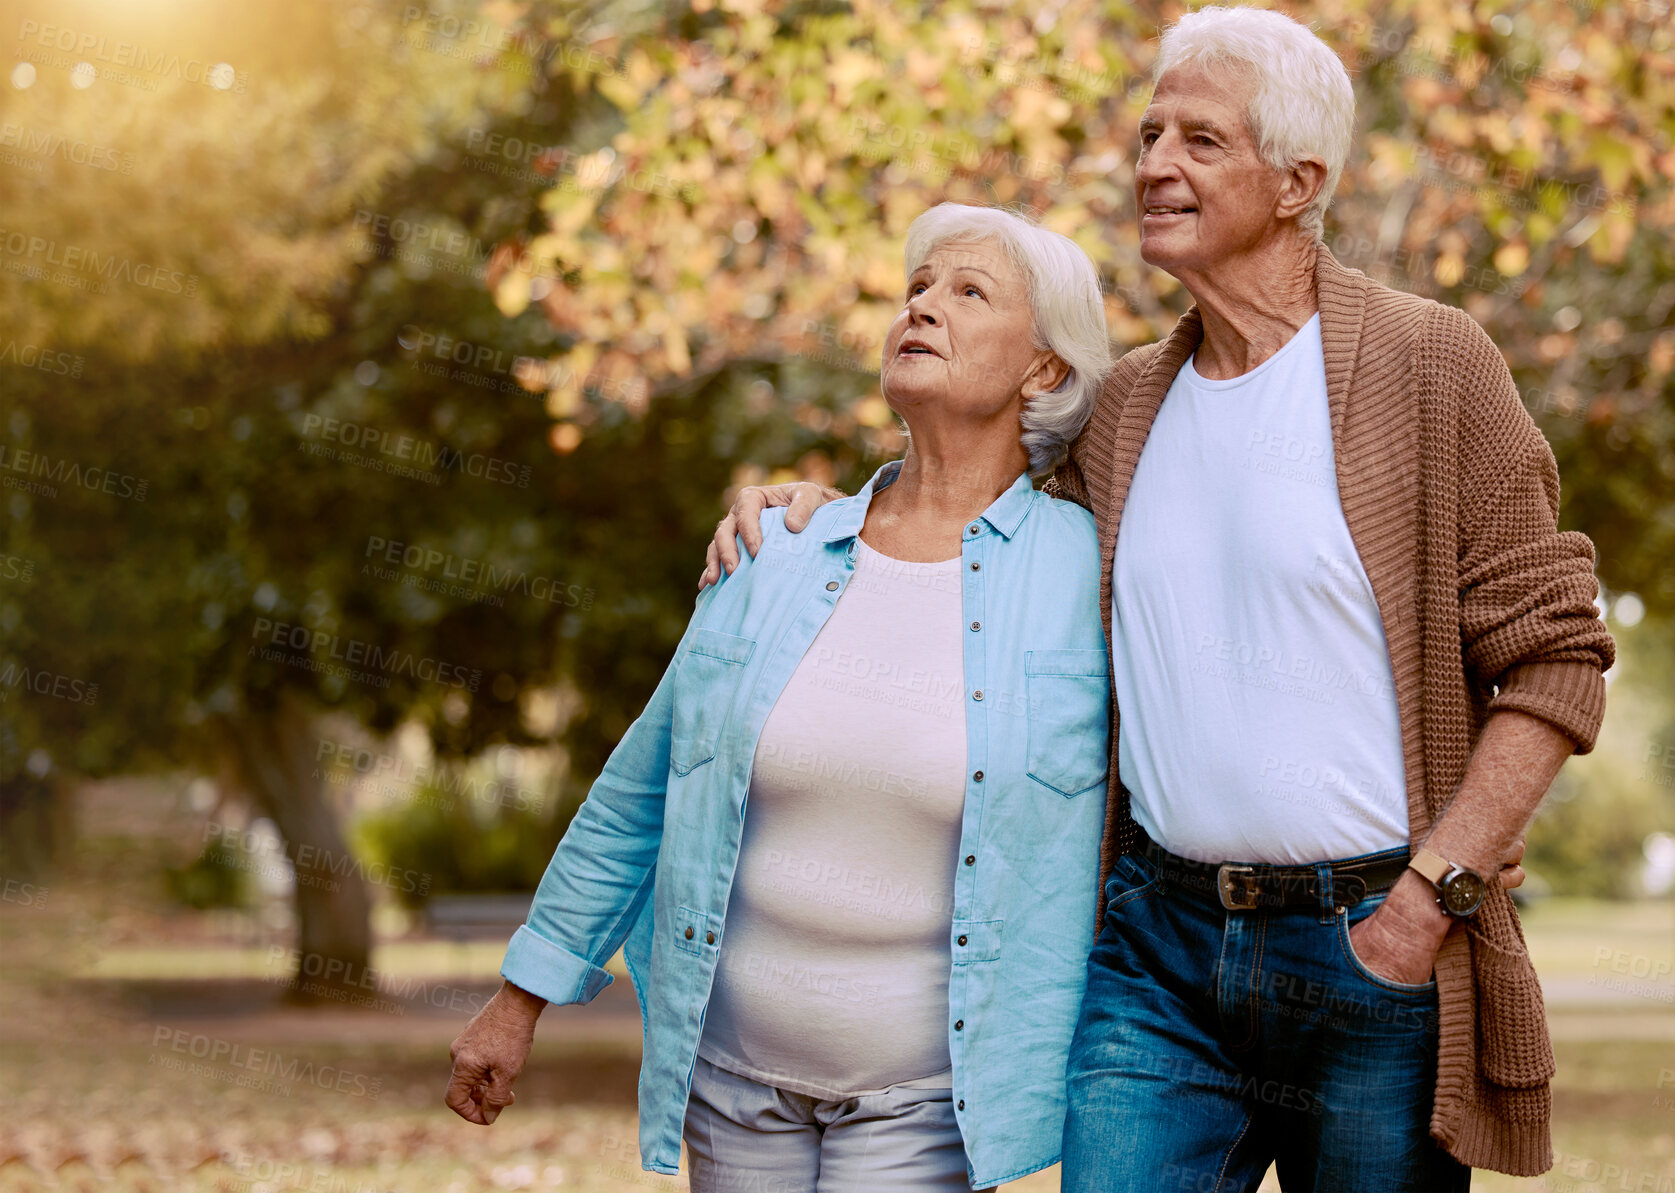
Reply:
x=1302, y=186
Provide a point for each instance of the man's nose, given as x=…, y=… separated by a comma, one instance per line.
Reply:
x=1157, y=161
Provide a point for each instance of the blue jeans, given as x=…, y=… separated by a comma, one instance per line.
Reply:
x=1212, y=1043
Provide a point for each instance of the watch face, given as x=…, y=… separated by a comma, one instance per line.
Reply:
x=1462, y=892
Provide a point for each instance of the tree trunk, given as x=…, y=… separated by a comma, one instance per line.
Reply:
x=274, y=757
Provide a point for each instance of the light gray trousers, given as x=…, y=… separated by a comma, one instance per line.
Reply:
x=746, y=1137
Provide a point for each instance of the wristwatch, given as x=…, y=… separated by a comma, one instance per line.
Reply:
x=1459, y=891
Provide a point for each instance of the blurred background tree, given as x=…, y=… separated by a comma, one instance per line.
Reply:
x=583, y=268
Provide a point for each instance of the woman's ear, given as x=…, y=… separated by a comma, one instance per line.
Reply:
x=1047, y=375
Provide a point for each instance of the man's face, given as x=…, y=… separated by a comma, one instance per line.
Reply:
x=1203, y=192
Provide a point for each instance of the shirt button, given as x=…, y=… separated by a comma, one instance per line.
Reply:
x=831, y=586
x=978, y=694
x=976, y=625
x=975, y=566
x=961, y=1106
x=977, y=776
x=962, y=942
x=689, y=934
x=971, y=529
x=959, y=1025
x=709, y=938
x=971, y=859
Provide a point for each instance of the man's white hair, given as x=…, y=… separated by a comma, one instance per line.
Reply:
x=1302, y=105
x=1064, y=300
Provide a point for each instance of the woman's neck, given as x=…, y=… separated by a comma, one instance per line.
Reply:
x=940, y=488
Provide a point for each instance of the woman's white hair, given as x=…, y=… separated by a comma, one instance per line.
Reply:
x=1065, y=301
x=1303, y=104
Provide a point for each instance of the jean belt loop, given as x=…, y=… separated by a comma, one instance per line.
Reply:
x=1328, y=896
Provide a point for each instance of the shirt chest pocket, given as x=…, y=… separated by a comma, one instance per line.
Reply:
x=706, y=685
x=1069, y=747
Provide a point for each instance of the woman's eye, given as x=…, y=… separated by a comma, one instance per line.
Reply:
x=974, y=290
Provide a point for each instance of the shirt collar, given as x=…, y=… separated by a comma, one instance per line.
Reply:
x=1004, y=514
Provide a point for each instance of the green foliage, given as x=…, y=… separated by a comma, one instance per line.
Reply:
x=211, y=880
x=460, y=845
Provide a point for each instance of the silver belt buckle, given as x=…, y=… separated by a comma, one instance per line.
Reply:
x=1235, y=895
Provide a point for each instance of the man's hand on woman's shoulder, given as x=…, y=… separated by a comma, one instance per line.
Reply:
x=745, y=518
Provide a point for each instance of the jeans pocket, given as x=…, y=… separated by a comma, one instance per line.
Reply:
x=1420, y=990
x=1132, y=877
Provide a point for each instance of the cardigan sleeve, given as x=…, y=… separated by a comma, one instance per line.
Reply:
x=1528, y=622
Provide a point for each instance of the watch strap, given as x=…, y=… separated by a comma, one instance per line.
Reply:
x=1433, y=867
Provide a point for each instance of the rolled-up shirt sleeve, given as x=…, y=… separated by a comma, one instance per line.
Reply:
x=1528, y=622
x=602, y=871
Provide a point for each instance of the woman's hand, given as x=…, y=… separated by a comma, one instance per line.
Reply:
x=804, y=497
x=490, y=1053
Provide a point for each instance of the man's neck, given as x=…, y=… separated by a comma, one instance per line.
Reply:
x=1253, y=305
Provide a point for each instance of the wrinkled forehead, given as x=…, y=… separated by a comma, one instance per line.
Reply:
x=986, y=253
x=1220, y=90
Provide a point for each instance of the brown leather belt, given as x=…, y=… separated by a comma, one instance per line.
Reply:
x=1240, y=886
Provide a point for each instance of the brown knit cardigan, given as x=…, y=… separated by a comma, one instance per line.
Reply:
x=1451, y=495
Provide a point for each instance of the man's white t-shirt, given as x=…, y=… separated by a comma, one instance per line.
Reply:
x=1258, y=713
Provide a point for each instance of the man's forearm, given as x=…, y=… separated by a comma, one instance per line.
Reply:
x=1510, y=770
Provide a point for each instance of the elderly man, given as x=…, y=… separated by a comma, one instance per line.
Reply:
x=1350, y=651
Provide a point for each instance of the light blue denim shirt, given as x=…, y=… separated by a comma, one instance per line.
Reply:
x=647, y=864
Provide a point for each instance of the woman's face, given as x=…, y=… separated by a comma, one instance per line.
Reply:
x=963, y=343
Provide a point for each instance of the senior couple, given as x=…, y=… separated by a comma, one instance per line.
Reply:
x=909, y=903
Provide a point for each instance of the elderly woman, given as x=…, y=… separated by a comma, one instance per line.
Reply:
x=851, y=846
x=1351, y=650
